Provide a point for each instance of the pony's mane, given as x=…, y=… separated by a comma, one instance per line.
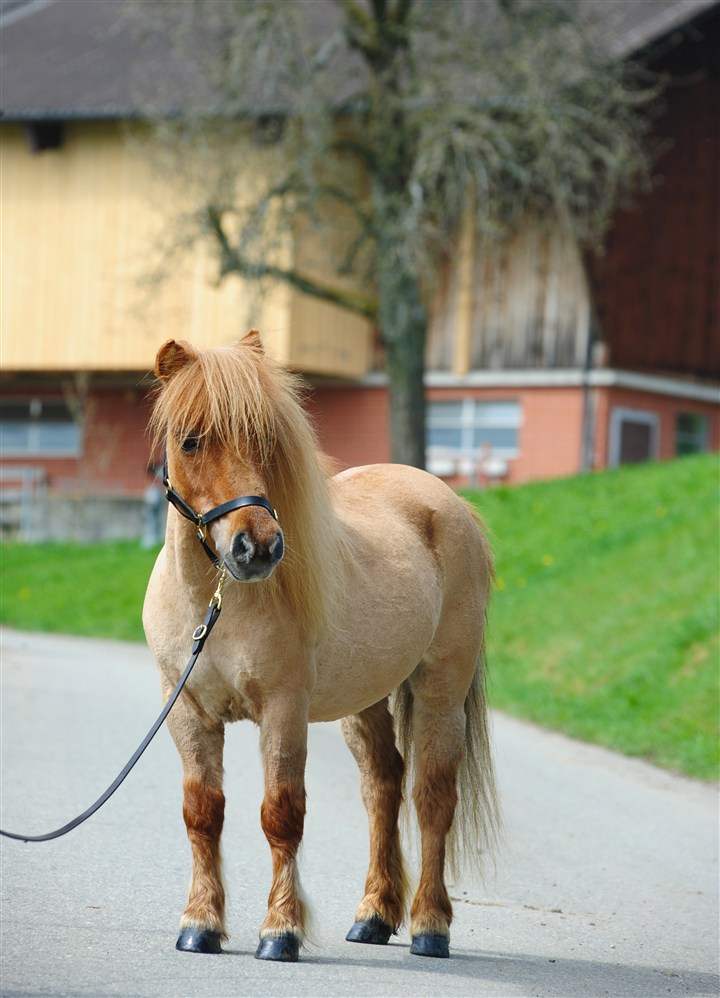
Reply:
x=251, y=407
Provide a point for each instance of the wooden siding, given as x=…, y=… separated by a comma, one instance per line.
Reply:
x=80, y=229
x=521, y=305
x=657, y=289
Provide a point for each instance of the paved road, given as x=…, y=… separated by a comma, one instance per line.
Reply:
x=607, y=883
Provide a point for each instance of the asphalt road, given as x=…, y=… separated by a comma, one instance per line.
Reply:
x=607, y=883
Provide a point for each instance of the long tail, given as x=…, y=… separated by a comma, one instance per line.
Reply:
x=477, y=824
x=476, y=829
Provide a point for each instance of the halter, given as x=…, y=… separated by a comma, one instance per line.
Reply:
x=201, y=520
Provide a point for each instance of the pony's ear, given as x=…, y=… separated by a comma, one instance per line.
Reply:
x=253, y=341
x=171, y=358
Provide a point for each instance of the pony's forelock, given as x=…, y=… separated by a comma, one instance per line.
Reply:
x=224, y=395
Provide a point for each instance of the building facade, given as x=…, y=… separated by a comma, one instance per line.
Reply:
x=541, y=363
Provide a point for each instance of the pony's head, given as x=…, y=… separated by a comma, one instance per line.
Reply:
x=220, y=432
x=234, y=425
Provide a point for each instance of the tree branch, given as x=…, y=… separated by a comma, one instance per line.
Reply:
x=232, y=262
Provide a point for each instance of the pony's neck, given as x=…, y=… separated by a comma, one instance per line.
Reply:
x=186, y=559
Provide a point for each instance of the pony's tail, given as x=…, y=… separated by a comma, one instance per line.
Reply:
x=477, y=825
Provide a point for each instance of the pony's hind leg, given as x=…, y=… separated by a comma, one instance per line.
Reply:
x=200, y=744
x=370, y=738
x=439, y=733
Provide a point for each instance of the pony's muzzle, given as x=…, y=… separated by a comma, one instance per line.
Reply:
x=252, y=559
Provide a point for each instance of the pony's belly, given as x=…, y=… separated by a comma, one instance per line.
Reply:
x=394, y=591
x=331, y=705
x=357, y=669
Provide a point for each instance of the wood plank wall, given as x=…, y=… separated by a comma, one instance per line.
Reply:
x=657, y=288
x=521, y=305
x=80, y=232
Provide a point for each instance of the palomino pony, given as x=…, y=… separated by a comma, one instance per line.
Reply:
x=368, y=605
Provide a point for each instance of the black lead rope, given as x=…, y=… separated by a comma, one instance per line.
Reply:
x=200, y=635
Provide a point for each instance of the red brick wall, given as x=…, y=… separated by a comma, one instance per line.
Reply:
x=352, y=424
x=665, y=407
x=115, y=453
x=352, y=428
x=550, y=438
x=116, y=445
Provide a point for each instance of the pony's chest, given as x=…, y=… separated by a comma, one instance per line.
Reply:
x=245, y=663
x=225, y=692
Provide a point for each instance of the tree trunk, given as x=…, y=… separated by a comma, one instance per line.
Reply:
x=403, y=327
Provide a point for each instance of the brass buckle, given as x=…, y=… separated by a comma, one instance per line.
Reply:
x=217, y=598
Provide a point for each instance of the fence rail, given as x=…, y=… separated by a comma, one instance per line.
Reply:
x=23, y=494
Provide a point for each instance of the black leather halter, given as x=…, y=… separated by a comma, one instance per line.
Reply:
x=201, y=520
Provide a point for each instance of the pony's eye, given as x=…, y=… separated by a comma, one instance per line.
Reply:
x=190, y=444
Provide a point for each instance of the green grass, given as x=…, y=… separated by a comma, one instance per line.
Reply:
x=604, y=623
x=605, y=619
x=93, y=590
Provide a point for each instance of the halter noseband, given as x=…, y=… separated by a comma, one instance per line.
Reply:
x=201, y=520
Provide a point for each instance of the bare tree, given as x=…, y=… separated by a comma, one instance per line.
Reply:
x=381, y=124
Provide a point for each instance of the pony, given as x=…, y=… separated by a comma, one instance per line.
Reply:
x=362, y=599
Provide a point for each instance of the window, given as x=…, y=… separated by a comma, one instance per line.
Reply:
x=633, y=436
x=461, y=432
x=691, y=433
x=35, y=427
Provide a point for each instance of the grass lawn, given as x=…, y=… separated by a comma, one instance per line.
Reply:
x=604, y=623
x=93, y=590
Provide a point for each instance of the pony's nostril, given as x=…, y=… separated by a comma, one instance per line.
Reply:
x=277, y=548
x=243, y=548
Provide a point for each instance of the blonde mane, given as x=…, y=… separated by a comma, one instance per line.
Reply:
x=240, y=399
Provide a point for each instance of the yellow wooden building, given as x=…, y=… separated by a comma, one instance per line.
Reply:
x=84, y=230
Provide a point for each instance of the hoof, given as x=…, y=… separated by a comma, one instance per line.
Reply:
x=373, y=931
x=285, y=947
x=430, y=945
x=199, y=941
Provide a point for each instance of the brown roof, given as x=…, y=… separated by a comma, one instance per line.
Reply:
x=77, y=58
x=638, y=23
x=87, y=59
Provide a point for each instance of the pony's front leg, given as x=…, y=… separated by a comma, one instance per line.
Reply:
x=283, y=743
x=200, y=744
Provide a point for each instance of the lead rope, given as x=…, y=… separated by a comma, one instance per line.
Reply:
x=200, y=635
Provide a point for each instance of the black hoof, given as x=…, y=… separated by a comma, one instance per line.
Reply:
x=285, y=947
x=199, y=941
x=373, y=931
x=430, y=945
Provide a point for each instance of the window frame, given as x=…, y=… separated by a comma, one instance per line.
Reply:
x=701, y=437
x=644, y=417
x=34, y=425
x=448, y=460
